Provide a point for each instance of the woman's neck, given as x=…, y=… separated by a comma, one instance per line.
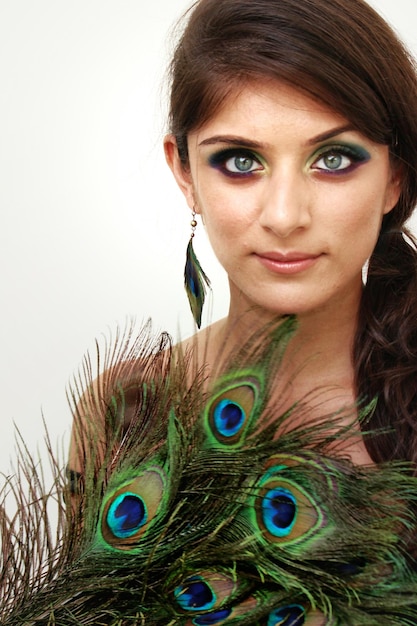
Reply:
x=317, y=365
x=323, y=337
x=325, y=333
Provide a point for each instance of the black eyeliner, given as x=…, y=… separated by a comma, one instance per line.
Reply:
x=357, y=154
x=219, y=158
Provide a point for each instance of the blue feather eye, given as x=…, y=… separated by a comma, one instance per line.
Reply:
x=279, y=511
x=228, y=417
x=129, y=510
x=195, y=595
x=211, y=597
x=230, y=412
x=290, y=615
x=126, y=515
x=285, y=511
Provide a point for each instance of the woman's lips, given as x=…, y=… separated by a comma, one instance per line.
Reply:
x=288, y=263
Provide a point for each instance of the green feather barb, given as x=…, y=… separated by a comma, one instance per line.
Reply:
x=195, y=282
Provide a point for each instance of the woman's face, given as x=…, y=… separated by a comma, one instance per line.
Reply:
x=292, y=198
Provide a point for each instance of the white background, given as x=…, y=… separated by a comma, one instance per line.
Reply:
x=93, y=230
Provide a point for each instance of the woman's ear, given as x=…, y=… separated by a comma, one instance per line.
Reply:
x=394, y=187
x=182, y=173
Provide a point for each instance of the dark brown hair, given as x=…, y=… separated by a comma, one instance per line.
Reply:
x=345, y=55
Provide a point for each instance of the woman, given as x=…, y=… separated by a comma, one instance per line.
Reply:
x=294, y=137
x=296, y=142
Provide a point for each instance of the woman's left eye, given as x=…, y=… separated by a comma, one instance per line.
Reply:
x=340, y=159
x=333, y=162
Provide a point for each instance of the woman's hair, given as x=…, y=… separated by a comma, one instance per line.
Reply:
x=343, y=54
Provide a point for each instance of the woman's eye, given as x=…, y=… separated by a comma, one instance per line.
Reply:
x=340, y=159
x=333, y=161
x=235, y=164
x=242, y=164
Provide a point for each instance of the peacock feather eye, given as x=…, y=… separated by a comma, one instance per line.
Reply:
x=208, y=590
x=230, y=412
x=228, y=417
x=126, y=515
x=195, y=595
x=290, y=615
x=285, y=511
x=279, y=511
x=214, y=597
x=129, y=510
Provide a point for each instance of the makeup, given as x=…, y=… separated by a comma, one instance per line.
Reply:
x=288, y=264
x=236, y=162
x=334, y=159
x=338, y=159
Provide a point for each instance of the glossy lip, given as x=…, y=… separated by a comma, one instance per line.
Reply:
x=288, y=262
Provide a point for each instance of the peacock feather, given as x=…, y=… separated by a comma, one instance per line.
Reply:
x=196, y=281
x=203, y=503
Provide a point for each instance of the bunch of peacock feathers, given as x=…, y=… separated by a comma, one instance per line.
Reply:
x=202, y=505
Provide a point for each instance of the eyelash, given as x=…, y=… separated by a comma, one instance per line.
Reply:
x=219, y=160
x=355, y=154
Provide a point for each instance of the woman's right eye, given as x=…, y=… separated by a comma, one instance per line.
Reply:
x=241, y=164
x=235, y=163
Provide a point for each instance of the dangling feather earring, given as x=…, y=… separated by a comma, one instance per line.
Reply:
x=195, y=280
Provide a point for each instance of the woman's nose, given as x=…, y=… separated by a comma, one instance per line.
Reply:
x=285, y=204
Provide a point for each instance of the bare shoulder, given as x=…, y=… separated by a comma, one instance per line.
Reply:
x=118, y=388
x=204, y=346
x=121, y=384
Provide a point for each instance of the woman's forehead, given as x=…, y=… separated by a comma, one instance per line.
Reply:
x=269, y=102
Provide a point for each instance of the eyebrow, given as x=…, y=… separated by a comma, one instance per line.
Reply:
x=256, y=145
x=333, y=132
x=232, y=140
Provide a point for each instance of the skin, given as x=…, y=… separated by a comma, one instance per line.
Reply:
x=292, y=198
x=293, y=211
